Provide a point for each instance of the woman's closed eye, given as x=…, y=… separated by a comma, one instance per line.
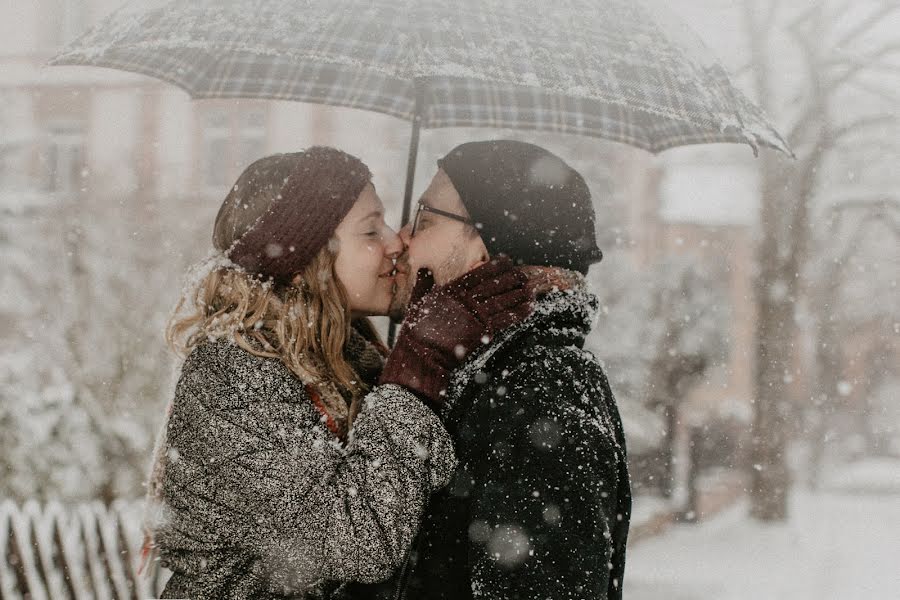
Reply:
x=378, y=230
x=374, y=228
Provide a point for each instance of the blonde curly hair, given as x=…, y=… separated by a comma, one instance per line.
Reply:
x=306, y=322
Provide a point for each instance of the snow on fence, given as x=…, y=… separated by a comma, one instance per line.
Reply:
x=74, y=552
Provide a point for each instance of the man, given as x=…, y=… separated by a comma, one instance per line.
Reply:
x=540, y=504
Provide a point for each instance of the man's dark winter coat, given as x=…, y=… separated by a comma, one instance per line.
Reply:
x=539, y=506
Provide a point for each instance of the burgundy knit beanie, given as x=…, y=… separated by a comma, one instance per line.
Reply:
x=284, y=208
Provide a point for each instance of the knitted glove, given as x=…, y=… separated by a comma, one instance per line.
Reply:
x=448, y=322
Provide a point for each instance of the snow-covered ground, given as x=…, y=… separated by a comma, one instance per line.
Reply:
x=870, y=476
x=841, y=543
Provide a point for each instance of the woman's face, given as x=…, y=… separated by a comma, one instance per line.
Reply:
x=365, y=253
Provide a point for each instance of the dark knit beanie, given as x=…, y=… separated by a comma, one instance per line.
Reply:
x=527, y=203
x=284, y=208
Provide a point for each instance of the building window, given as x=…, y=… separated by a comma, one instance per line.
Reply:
x=251, y=137
x=12, y=164
x=17, y=137
x=67, y=21
x=65, y=158
x=232, y=139
x=216, y=142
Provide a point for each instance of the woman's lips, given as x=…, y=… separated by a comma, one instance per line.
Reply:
x=394, y=271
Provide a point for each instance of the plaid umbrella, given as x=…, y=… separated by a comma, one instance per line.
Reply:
x=606, y=69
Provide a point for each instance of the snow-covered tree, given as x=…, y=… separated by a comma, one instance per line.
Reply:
x=89, y=281
x=827, y=71
x=661, y=329
x=851, y=287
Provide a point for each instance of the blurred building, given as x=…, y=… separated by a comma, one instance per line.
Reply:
x=67, y=130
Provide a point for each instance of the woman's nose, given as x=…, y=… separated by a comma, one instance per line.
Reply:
x=393, y=244
x=406, y=234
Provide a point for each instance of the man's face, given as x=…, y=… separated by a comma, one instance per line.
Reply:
x=445, y=246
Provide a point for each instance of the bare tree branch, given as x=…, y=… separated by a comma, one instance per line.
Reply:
x=835, y=136
x=802, y=19
x=841, y=11
x=742, y=70
x=816, y=111
x=806, y=186
x=880, y=92
x=877, y=209
x=758, y=57
x=879, y=203
x=849, y=248
x=853, y=62
x=866, y=24
x=806, y=183
x=808, y=39
x=858, y=125
x=876, y=143
x=864, y=63
x=857, y=236
x=800, y=127
x=771, y=13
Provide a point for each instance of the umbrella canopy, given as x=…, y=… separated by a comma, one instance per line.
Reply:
x=605, y=69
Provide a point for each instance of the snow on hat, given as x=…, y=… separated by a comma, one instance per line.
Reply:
x=284, y=208
x=527, y=203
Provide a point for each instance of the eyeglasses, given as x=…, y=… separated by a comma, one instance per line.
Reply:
x=424, y=208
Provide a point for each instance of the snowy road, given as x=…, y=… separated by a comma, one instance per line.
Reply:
x=837, y=545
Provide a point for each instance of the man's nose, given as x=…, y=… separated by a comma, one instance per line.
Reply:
x=394, y=245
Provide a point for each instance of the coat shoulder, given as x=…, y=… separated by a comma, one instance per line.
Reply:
x=244, y=377
x=570, y=367
x=225, y=389
x=563, y=385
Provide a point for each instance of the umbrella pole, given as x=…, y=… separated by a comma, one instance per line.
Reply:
x=410, y=175
x=413, y=152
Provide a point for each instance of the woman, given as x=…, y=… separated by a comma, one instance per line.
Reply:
x=282, y=470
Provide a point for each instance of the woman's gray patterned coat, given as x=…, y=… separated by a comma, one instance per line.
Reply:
x=261, y=501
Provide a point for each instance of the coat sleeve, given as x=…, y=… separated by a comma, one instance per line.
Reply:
x=303, y=508
x=543, y=523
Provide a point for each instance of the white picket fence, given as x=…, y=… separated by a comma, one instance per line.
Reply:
x=74, y=552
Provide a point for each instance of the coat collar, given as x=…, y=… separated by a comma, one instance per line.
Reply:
x=564, y=317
